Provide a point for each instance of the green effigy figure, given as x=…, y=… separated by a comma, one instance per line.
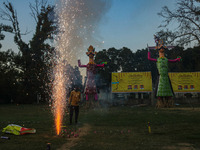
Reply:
x=164, y=86
x=164, y=90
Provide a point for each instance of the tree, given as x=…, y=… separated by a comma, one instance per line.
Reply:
x=35, y=54
x=73, y=78
x=41, y=52
x=77, y=77
x=111, y=56
x=173, y=54
x=191, y=61
x=4, y=28
x=126, y=59
x=10, y=77
x=186, y=17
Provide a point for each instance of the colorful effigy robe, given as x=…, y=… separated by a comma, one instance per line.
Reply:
x=164, y=86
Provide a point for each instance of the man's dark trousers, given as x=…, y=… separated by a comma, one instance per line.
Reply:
x=72, y=109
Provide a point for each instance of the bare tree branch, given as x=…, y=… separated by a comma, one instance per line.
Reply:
x=186, y=16
x=36, y=8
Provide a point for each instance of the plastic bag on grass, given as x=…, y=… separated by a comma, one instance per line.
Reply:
x=18, y=130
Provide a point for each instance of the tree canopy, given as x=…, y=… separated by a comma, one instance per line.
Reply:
x=186, y=21
x=4, y=28
x=126, y=60
x=24, y=75
x=35, y=57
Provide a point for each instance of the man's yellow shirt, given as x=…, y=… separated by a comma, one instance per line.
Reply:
x=75, y=98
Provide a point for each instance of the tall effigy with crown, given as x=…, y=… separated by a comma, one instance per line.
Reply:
x=90, y=86
x=164, y=91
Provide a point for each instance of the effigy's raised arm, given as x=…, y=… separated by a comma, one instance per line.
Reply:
x=100, y=65
x=79, y=64
x=149, y=57
x=174, y=60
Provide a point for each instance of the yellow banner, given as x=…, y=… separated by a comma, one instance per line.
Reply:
x=128, y=82
x=185, y=81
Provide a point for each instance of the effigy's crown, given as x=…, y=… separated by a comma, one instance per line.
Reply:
x=91, y=51
x=91, y=48
x=159, y=44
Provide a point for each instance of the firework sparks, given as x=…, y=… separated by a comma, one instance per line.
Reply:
x=77, y=22
x=59, y=94
x=62, y=57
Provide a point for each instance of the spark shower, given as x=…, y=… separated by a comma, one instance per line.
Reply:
x=77, y=24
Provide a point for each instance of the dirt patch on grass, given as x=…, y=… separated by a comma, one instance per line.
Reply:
x=73, y=141
x=180, y=146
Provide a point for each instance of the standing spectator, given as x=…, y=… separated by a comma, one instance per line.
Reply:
x=74, y=100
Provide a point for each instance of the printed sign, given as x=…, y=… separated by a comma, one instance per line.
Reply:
x=185, y=81
x=130, y=82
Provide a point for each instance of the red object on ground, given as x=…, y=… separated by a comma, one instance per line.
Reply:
x=27, y=131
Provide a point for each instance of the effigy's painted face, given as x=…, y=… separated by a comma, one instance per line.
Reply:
x=91, y=52
x=161, y=53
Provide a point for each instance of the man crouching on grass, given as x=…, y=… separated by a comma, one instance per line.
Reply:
x=74, y=100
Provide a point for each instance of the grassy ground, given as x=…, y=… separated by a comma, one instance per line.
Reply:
x=114, y=128
x=30, y=116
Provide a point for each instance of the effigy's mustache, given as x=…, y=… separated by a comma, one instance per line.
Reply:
x=91, y=54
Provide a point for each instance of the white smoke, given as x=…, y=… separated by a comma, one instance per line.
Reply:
x=78, y=23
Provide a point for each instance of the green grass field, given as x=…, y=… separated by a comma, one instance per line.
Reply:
x=117, y=128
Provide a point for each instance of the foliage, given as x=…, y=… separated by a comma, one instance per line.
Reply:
x=35, y=58
x=41, y=52
x=4, y=28
x=25, y=75
x=186, y=19
x=74, y=78
x=125, y=60
x=77, y=79
x=35, y=54
x=10, y=77
x=111, y=57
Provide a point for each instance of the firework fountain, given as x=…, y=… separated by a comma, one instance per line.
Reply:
x=63, y=56
x=77, y=22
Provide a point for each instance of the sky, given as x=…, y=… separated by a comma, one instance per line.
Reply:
x=123, y=23
x=132, y=23
x=127, y=23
